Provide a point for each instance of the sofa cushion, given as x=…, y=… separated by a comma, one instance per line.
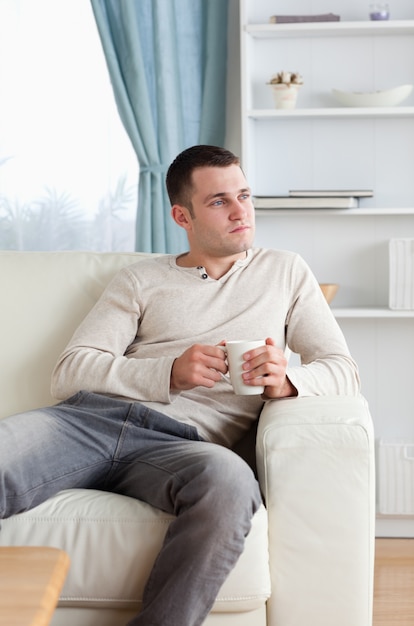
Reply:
x=45, y=297
x=113, y=540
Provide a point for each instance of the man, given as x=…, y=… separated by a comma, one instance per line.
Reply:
x=146, y=408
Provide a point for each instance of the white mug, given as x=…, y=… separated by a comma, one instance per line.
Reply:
x=234, y=351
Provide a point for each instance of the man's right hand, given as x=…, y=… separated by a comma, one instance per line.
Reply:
x=200, y=365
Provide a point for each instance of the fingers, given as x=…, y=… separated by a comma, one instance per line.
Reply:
x=265, y=366
x=218, y=356
x=199, y=365
x=263, y=361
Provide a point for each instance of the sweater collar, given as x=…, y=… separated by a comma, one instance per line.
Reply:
x=201, y=273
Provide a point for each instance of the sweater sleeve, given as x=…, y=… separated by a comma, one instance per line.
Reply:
x=96, y=358
x=312, y=331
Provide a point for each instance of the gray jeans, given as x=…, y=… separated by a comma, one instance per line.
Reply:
x=91, y=441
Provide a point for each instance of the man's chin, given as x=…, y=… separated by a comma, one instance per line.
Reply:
x=245, y=243
x=241, y=248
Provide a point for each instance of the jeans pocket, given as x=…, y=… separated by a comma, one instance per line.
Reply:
x=154, y=420
x=76, y=399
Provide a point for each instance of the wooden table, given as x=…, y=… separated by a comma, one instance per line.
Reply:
x=30, y=582
x=394, y=582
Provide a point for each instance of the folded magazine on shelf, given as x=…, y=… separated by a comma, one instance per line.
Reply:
x=292, y=19
x=331, y=193
x=315, y=202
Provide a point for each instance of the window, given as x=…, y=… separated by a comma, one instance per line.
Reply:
x=68, y=172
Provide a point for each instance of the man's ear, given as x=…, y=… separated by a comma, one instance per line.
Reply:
x=181, y=216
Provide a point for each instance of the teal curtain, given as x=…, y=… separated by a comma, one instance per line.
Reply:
x=167, y=62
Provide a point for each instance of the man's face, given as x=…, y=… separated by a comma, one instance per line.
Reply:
x=223, y=222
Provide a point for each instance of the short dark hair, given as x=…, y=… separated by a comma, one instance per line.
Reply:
x=179, y=179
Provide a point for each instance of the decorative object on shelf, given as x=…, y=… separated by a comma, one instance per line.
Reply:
x=387, y=98
x=329, y=290
x=293, y=19
x=331, y=193
x=401, y=274
x=311, y=202
x=379, y=11
x=285, y=87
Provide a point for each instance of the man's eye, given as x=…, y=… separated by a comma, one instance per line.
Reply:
x=218, y=202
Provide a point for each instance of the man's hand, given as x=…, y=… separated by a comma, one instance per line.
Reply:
x=267, y=366
x=198, y=366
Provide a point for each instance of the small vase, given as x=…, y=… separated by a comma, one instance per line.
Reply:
x=285, y=96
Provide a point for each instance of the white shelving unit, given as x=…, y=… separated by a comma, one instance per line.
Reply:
x=319, y=145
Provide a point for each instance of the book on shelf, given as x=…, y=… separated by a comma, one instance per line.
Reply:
x=331, y=193
x=290, y=202
x=293, y=19
x=401, y=274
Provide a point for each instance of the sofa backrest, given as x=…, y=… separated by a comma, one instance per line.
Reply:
x=44, y=296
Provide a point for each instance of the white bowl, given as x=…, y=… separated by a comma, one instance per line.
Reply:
x=387, y=98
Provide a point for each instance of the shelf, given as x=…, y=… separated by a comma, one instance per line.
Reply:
x=360, y=211
x=370, y=313
x=322, y=144
x=331, y=29
x=331, y=112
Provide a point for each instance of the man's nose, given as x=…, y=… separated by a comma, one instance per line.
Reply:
x=238, y=210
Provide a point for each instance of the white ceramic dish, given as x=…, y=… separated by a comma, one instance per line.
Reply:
x=387, y=98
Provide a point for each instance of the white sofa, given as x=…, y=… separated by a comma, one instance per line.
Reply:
x=309, y=558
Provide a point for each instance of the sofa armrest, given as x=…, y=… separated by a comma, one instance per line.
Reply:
x=315, y=462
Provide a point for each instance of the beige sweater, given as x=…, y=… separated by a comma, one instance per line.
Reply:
x=153, y=310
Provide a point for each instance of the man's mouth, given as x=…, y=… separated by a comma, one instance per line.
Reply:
x=240, y=228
